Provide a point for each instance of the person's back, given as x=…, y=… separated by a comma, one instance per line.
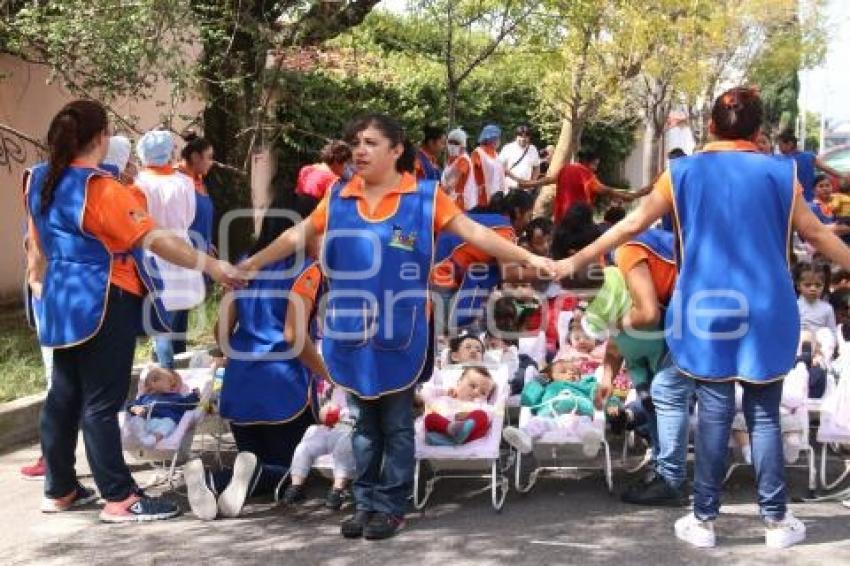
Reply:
x=573, y=181
x=805, y=162
x=739, y=202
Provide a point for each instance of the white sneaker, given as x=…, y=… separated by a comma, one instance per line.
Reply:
x=787, y=532
x=696, y=532
x=846, y=503
x=232, y=499
x=201, y=498
x=519, y=439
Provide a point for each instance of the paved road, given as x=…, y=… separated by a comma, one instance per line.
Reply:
x=563, y=521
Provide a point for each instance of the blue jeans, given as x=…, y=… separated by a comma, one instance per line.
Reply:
x=716, y=409
x=671, y=394
x=165, y=346
x=382, y=442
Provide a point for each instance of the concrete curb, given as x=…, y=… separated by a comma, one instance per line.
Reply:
x=19, y=419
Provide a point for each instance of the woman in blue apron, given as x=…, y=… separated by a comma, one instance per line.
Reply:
x=264, y=331
x=80, y=219
x=380, y=228
x=733, y=316
x=197, y=160
x=464, y=276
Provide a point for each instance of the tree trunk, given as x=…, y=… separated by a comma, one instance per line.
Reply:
x=566, y=147
x=451, y=95
x=656, y=151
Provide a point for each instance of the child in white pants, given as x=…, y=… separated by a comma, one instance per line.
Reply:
x=332, y=436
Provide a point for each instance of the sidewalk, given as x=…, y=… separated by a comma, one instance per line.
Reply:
x=562, y=521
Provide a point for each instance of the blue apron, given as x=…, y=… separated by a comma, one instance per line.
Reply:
x=260, y=386
x=658, y=242
x=733, y=210
x=805, y=161
x=76, y=282
x=431, y=171
x=477, y=284
x=376, y=330
x=202, y=225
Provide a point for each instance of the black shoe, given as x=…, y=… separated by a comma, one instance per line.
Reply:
x=657, y=492
x=354, y=526
x=382, y=525
x=335, y=498
x=294, y=494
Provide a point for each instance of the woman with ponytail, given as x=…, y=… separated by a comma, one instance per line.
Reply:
x=733, y=315
x=80, y=219
x=196, y=160
x=379, y=246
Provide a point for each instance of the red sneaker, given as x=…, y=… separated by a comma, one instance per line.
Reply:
x=35, y=471
x=77, y=498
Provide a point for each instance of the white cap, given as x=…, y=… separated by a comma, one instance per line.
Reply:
x=118, y=153
x=457, y=135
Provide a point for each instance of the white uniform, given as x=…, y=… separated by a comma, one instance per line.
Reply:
x=171, y=203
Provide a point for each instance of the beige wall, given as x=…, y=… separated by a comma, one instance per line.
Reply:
x=27, y=103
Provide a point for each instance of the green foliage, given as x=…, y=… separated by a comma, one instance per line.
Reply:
x=105, y=49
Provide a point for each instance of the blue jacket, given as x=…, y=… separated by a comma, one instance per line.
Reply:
x=167, y=405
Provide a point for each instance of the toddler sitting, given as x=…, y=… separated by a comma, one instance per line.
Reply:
x=331, y=436
x=460, y=416
x=155, y=413
x=560, y=398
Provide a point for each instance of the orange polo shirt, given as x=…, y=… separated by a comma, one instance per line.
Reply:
x=448, y=272
x=198, y=180
x=663, y=272
x=445, y=208
x=419, y=171
x=117, y=216
x=308, y=283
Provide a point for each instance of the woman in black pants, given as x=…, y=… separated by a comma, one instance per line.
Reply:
x=264, y=331
x=84, y=226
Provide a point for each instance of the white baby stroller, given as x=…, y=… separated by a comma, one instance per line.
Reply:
x=481, y=456
x=563, y=449
x=175, y=448
x=834, y=430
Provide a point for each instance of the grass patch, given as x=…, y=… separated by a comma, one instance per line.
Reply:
x=201, y=323
x=21, y=368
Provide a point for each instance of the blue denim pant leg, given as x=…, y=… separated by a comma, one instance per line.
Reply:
x=671, y=395
x=715, y=410
x=382, y=442
x=761, y=411
x=166, y=347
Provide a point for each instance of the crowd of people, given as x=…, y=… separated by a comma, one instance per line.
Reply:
x=688, y=301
